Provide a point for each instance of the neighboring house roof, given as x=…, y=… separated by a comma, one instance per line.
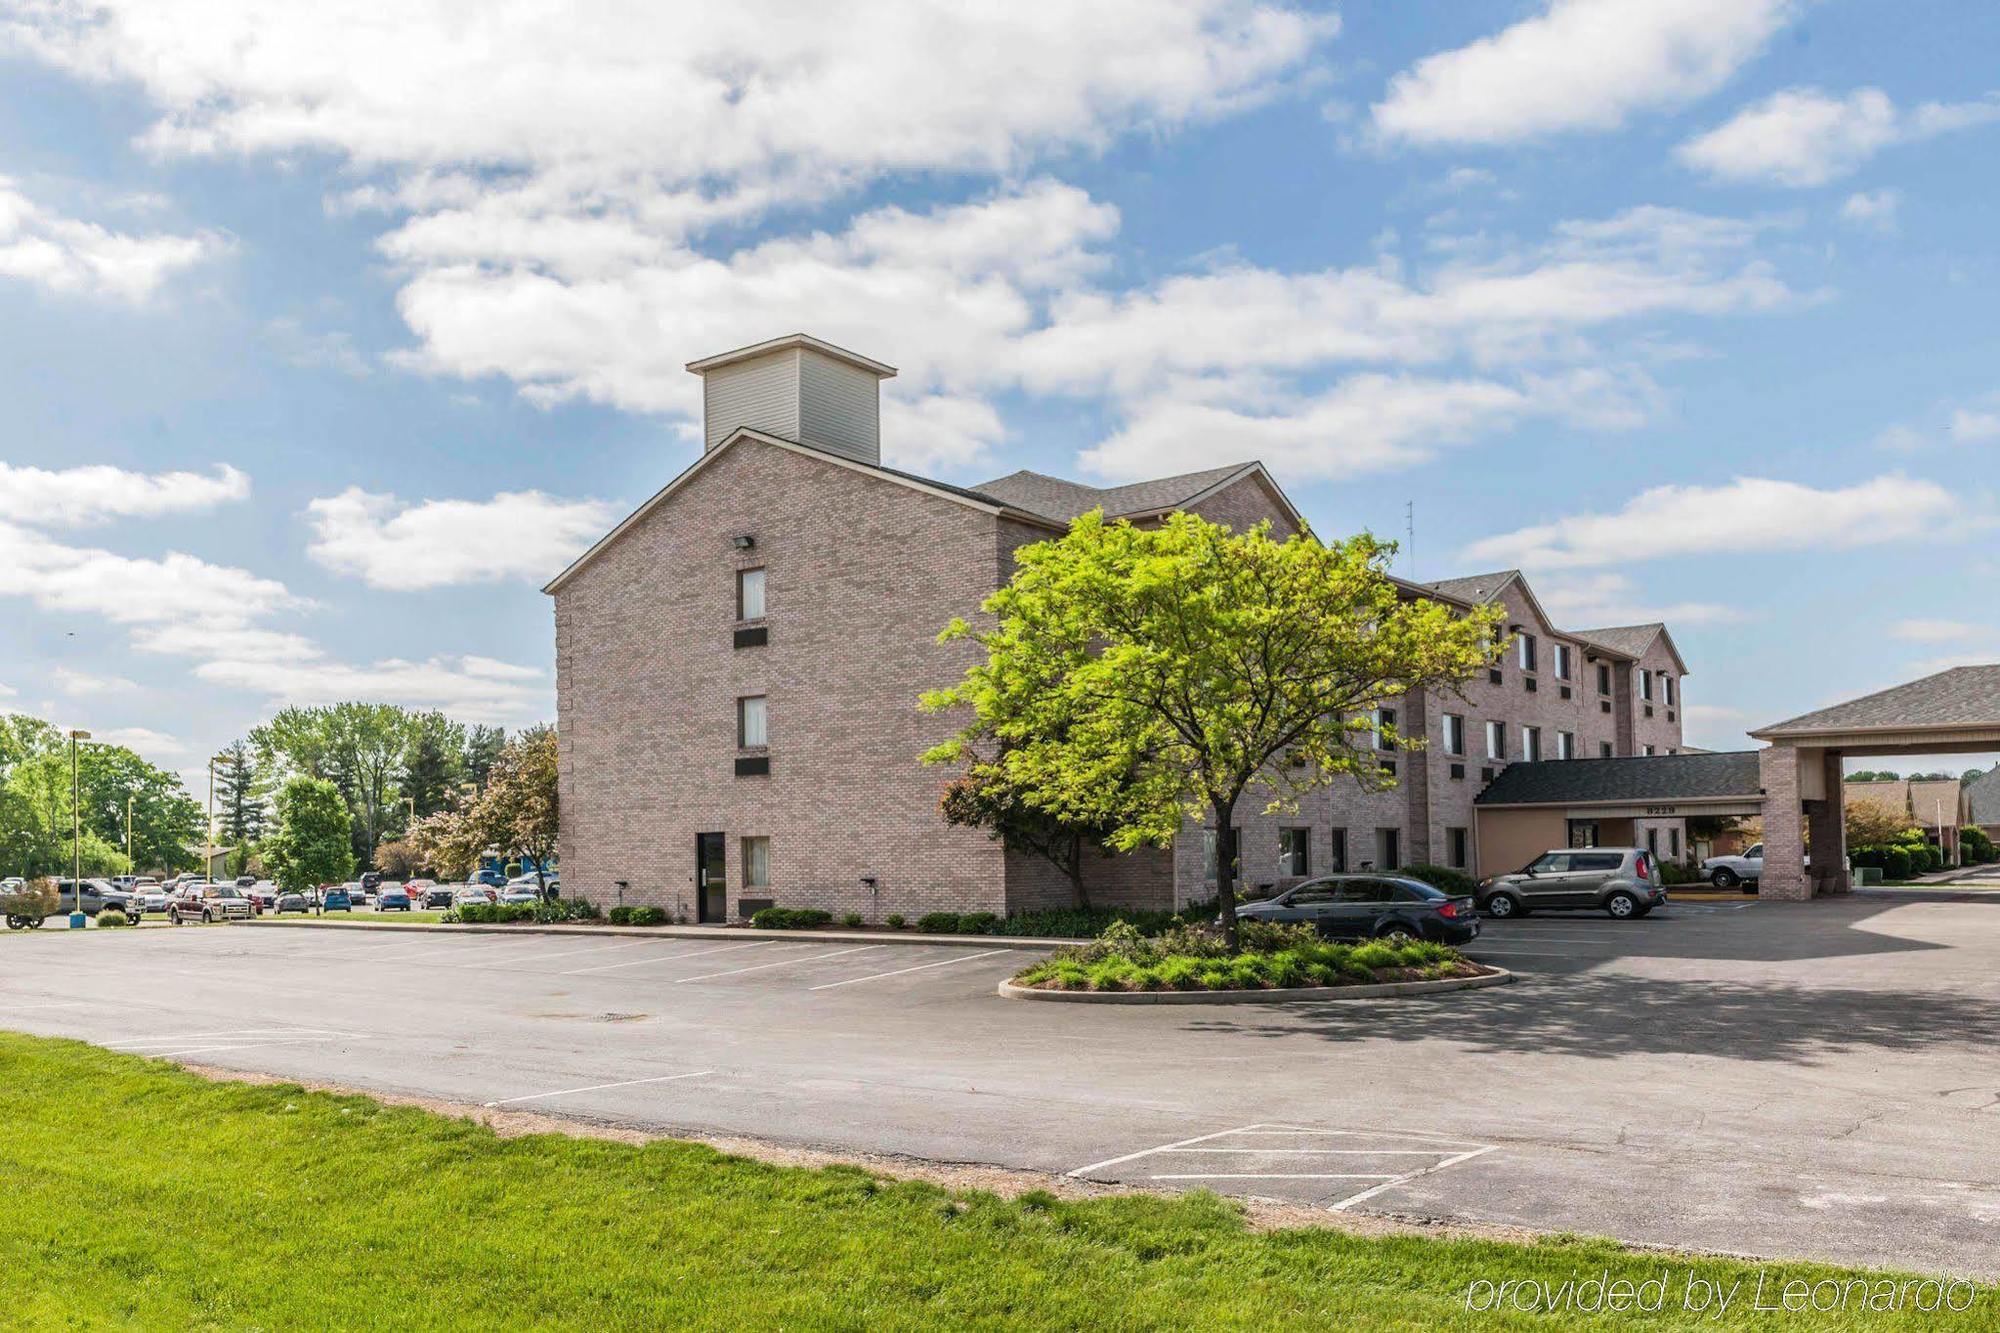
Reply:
x=1892, y=796
x=1930, y=797
x=1967, y=696
x=1060, y=500
x=1983, y=795
x=1666, y=778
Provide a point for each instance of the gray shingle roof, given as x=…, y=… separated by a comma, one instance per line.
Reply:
x=1666, y=777
x=1984, y=793
x=1060, y=500
x=1962, y=696
x=1631, y=640
x=1476, y=588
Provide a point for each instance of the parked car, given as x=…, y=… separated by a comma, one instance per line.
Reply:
x=1387, y=907
x=124, y=882
x=471, y=893
x=439, y=895
x=370, y=880
x=554, y=882
x=1622, y=882
x=291, y=902
x=520, y=896
x=261, y=893
x=478, y=885
x=488, y=875
x=1745, y=868
x=148, y=896
x=392, y=898
x=211, y=902
x=97, y=895
x=336, y=899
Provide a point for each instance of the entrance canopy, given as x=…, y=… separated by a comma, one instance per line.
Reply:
x=1952, y=712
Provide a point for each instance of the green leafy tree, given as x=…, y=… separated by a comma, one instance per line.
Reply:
x=313, y=843
x=1145, y=676
x=519, y=811
x=239, y=797
x=447, y=842
x=435, y=763
x=39, y=814
x=359, y=747
x=483, y=747
x=984, y=798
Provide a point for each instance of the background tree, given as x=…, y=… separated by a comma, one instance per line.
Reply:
x=313, y=843
x=359, y=747
x=397, y=858
x=448, y=842
x=435, y=763
x=1195, y=664
x=1871, y=825
x=36, y=805
x=483, y=747
x=519, y=811
x=239, y=798
x=985, y=799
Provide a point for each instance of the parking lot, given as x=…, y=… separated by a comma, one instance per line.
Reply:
x=1814, y=1079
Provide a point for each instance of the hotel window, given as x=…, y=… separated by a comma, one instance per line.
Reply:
x=1565, y=745
x=756, y=863
x=749, y=594
x=1674, y=843
x=1604, y=749
x=1603, y=679
x=1456, y=844
x=1294, y=858
x=1531, y=744
x=1649, y=752
x=1389, y=848
x=1667, y=689
x=1562, y=661
x=1208, y=852
x=1496, y=740
x=1527, y=652
x=1646, y=685
x=1454, y=734
x=1337, y=862
x=751, y=733
x=1385, y=718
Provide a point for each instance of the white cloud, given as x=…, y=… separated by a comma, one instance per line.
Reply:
x=1745, y=514
x=1973, y=426
x=1577, y=65
x=1612, y=599
x=939, y=432
x=1714, y=714
x=1805, y=137
x=7, y=691
x=299, y=344
x=78, y=684
x=1930, y=666
x=1875, y=210
x=96, y=494
x=142, y=740
x=69, y=255
x=1936, y=631
x=441, y=543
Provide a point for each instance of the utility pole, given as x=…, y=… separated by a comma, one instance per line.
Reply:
x=130, y=867
x=76, y=918
x=1410, y=528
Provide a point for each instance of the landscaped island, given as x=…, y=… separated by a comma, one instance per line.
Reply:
x=1268, y=957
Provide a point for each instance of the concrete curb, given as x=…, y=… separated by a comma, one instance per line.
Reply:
x=1498, y=977
x=678, y=933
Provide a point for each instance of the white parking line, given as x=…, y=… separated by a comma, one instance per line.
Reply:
x=782, y=962
x=230, y=1046
x=663, y=958
x=921, y=967
x=1148, y=1152
x=598, y=1087
x=1279, y=1175
x=170, y=1038
x=1404, y=1180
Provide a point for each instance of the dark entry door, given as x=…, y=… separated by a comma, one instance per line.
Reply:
x=710, y=878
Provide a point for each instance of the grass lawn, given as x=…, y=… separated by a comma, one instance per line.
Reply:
x=139, y=1195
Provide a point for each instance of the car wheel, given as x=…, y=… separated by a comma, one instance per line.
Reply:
x=208, y=918
x=1723, y=878
x=1503, y=905
x=1396, y=934
x=1621, y=906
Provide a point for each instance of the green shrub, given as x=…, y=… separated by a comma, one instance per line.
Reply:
x=582, y=909
x=649, y=916
x=977, y=923
x=476, y=914
x=1178, y=973
x=620, y=915
x=851, y=920
x=1895, y=863
x=893, y=921
x=790, y=918
x=111, y=916
x=938, y=923
x=1275, y=936
x=1454, y=882
x=1673, y=872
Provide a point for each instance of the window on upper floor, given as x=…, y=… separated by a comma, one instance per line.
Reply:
x=752, y=731
x=749, y=594
x=1454, y=734
x=1527, y=652
x=1645, y=678
x=1562, y=661
x=1565, y=745
x=1531, y=744
x=1385, y=728
x=1667, y=689
x=1603, y=678
x=1496, y=740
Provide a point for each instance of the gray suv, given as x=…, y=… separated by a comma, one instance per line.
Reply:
x=1622, y=882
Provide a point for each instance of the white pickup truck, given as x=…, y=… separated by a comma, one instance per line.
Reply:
x=1726, y=872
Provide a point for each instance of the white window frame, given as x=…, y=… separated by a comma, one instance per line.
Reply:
x=1454, y=735
x=1531, y=744
x=753, y=719
x=1565, y=745
x=744, y=598
x=1645, y=678
x=756, y=849
x=1527, y=644
x=1496, y=740
x=1563, y=662
x=1287, y=865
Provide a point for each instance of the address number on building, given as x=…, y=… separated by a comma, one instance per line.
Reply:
x=1662, y=809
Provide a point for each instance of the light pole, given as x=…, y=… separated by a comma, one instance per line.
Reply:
x=131, y=868
x=76, y=917
x=208, y=848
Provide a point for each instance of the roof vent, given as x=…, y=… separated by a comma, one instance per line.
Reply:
x=797, y=388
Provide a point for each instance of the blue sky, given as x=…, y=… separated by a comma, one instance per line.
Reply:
x=329, y=336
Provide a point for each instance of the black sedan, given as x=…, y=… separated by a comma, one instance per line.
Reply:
x=1356, y=907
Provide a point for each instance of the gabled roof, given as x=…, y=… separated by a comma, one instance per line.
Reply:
x=1984, y=794
x=1967, y=696
x=1929, y=796
x=944, y=490
x=1633, y=641
x=1480, y=589
x=1728, y=775
x=791, y=340
x=1060, y=500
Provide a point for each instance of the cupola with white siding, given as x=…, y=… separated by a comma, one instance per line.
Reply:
x=797, y=388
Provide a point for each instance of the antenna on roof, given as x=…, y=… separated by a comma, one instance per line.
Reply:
x=1410, y=527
